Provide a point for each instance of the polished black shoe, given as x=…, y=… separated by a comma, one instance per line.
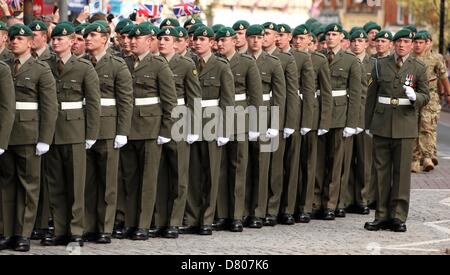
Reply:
x=398, y=226
x=328, y=215
x=38, y=234
x=237, y=226
x=51, y=240
x=129, y=232
x=22, y=244
x=205, y=230
x=220, y=224
x=372, y=205
x=7, y=243
x=51, y=226
x=119, y=230
x=340, y=213
x=140, y=235
x=377, y=225
x=270, y=220
x=77, y=239
x=246, y=221
x=104, y=238
x=255, y=223
x=188, y=229
x=287, y=219
x=303, y=218
x=317, y=214
x=155, y=232
x=90, y=237
x=171, y=232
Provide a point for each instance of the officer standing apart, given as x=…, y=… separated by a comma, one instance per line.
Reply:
x=397, y=92
x=31, y=136
x=5, y=53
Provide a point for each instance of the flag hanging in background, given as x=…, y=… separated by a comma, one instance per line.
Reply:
x=150, y=10
x=314, y=11
x=15, y=5
x=185, y=9
x=95, y=6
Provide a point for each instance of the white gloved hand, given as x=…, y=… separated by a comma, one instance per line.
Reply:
x=369, y=133
x=304, y=131
x=221, y=141
x=120, y=141
x=2, y=151
x=348, y=132
x=90, y=143
x=162, y=140
x=359, y=130
x=271, y=133
x=253, y=136
x=322, y=132
x=287, y=132
x=410, y=93
x=192, y=138
x=42, y=148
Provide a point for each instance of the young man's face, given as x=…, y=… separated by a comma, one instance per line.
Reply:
x=125, y=43
x=241, y=41
x=181, y=44
x=255, y=42
x=3, y=39
x=226, y=45
x=383, y=46
x=283, y=40
x=39, y=39
x=333, y=39
x=95, y=41
x=371, y=35
x=79, y=45
x=403, y=46
x=420, y=46
x=358, y=46
x=21, y=45
x=270, y=37
x=62, y=44
x=302, y=41
x=140, y=44
x=154, y=45
x=203, y=45
x=166, y=45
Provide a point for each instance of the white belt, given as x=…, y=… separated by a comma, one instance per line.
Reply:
x=180, y=101
x=339, y=93
x=301, y=95
x=210, y=103
x=240, y=97
x=266, y=97
x=317, y=93
x=393, y=101
x=108, y=102
x=27, y=105
x=72, y=105
x=146, y=101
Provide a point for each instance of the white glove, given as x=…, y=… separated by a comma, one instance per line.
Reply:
x=271, y=133
x=253, y=136
x=322, y=132
x=162, y=140
x=192, y=138
x=221, y=141
x=1, y=151
x=348, y=132
x=359, y=130
x=90, y=143
x=369, y=133
x=287, y=132
x=120, y=141
x=304, y=131
x=42, y=148
x=410, y=93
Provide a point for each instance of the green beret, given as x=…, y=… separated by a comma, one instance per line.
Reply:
x=169, y=22
x=194, y=27
x=346, y=34
x=320, y=30
x=122, y=23
x=168, y=32
x=102, y=22
x=301, y=30
x=38, y=26
x=371, y=26
x=241, y=25
x=94, y=27
x=270, y=26
x=422, y=35
x=403, y=33
x=204, y=31
x=79, y=29
x=255, y=30
x=3, y=26
x=217, y=27
x=412, y=28
x=384, y=34
x=225, y=32
x=322, y=38
x=63, y=29
x=354, y=29
x=315, y=26
x=127, y=29
x=333, y=27
x=314, y=38
x=310, y=22
x=192, y=21
x=182, y=32
x=284, y=28
x=358, y=33
x=19, y=30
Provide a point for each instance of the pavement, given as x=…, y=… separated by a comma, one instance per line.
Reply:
x=428, y=228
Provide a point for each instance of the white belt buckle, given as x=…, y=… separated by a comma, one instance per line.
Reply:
x=146, y=101
x=180, y=101
x=27, y=105
x=210, y=103
x=72, y=105
x=108, y=102
x=240, y=97
x=337, y=93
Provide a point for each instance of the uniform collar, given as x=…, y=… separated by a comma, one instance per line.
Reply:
x=256, y=55
x=66, y=58
x=207, y=57
x=271, y=50
x=231, y=56
x=243, y=50
x=101, y=55
x=39, y=52
x=404, y=58
x=169, y=57
x=24, y=59
x=142, y=56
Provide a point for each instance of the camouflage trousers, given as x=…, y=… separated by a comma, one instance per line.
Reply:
x=425, y=144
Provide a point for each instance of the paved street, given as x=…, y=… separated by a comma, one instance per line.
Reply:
x=428, y=228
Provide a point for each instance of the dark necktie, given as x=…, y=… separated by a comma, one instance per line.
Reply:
x=60, y=66
x=94, y=61
x=135, y=61
x=201, y=65
x=16, y=66
x=399, y=62
x=34, y=54
x=330, y=56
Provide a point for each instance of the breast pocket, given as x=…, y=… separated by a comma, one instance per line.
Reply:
x=72, y=90
x=147, y=82
x=106, y=85
x=26, y=85
x=340, y=78
x=267, y=83
x=212, y=88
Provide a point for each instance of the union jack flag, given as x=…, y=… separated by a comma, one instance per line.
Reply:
x=15, y=4
x=150, y=10
x=185, y=9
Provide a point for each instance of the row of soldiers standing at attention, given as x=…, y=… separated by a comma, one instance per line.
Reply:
x=87, y=139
